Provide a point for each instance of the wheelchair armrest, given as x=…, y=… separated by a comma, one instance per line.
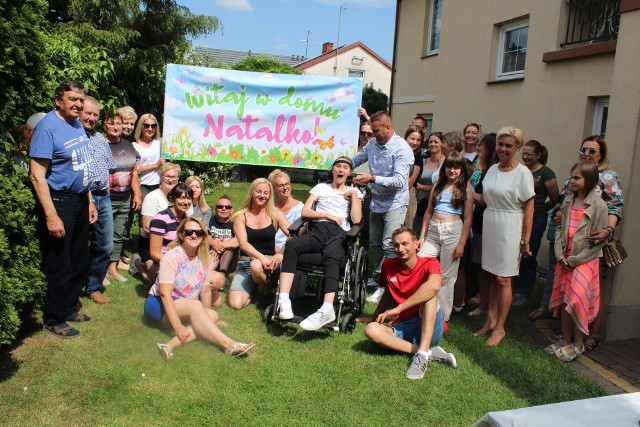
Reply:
x=294, y=228
x=354, y=230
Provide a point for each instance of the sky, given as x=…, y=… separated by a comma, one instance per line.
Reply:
x=280, y=26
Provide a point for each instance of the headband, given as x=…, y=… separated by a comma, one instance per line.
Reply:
x=345, y=161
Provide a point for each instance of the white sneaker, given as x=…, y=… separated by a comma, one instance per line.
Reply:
x=375, y=297
x=284, y=306
x=418, y=366
x=317, y=320
x=438, y=354
x=373, y=283
x=132, y=265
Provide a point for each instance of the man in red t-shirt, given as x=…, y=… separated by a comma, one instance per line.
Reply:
x=416, y=323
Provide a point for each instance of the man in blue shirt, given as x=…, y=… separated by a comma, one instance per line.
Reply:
x=390, y=159
x=61, y=173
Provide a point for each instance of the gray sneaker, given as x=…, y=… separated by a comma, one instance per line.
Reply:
x=438, y=354
x=418, y=367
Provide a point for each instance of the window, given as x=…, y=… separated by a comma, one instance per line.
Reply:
x=356, y=73
x=433, y=26
x=512, y=50
x=600, y=113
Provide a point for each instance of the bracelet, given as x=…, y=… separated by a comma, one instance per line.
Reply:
x=421, y=237
x=523, y=242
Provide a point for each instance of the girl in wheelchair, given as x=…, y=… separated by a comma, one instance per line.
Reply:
x=338, y=206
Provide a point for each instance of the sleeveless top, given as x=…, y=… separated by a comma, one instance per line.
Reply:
x=262, y=239
x=444, y=205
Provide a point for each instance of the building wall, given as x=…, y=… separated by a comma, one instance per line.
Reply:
x=374, y=71
x=554, y=103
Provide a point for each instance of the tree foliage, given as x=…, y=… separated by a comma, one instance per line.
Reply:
x=262, y=63
x=374, y=100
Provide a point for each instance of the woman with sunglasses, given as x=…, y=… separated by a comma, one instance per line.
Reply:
x=609, y=187
x=147, y=136
x=284, y=202
x=255, y=226
x=124, y=188
x=180, y=294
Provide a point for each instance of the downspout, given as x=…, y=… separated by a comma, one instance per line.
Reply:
x=393, y=59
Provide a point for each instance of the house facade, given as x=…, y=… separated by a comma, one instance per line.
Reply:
x=561, y=70
x=353, y=60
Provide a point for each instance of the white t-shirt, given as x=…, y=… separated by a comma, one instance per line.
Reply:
x=291, y=215
x=333, y=202
x=149, y=156
x=153, y=203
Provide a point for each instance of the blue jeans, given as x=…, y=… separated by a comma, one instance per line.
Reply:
x=101, y=243
x=381, y=226
x=523, y=283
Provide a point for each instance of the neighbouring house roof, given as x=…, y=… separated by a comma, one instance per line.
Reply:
x=332, y=53
x=230, y=57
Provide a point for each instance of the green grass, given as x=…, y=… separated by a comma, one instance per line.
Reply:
x=112, y=374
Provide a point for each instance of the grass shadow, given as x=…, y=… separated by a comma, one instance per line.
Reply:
x=9, y=364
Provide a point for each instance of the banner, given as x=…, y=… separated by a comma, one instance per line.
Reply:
x=214, y=115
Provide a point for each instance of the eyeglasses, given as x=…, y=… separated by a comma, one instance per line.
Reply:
x=149, y=125
x=282, y=186
x=170, y=177
x=188, y=233
x=224, y=207
x=585, y=150
x=364, y=133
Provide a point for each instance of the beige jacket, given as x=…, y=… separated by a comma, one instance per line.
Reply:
x=595, y=217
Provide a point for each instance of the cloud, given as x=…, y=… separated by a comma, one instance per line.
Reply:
x=171, y=103
x=212, y=77
x=240, y=5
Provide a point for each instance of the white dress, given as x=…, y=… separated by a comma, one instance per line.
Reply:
x=504, y=193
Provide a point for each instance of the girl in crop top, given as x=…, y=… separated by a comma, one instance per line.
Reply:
x=255, y=226
x=446, y=224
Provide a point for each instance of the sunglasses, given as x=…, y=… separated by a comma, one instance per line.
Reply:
x=585, y=150
x=149, y=125
x=224, y=207
x=364, y=133
x=188, y=233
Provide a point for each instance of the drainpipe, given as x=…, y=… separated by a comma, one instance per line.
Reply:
x=395, y=52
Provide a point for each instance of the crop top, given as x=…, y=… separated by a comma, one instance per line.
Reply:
x=444, y=206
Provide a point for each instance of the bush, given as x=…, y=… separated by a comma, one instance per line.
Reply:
x=21, y=280
x=212, y=174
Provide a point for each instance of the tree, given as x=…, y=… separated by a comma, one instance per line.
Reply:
x=374, y=100
x=262, y=63
x=142, y=36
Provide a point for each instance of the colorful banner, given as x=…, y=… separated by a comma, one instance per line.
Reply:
x=214, y=115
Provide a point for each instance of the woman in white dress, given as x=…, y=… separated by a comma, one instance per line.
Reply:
x=506, y=227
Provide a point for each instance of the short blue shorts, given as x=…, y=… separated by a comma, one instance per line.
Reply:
x=153, y=308
x=409, y=329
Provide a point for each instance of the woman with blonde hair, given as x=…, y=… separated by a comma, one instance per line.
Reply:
x=129, y=118
x=255, y=226
x=181, y=293
x=284, y=202
x=147, y=144
x=508, y=192
x=200, y=207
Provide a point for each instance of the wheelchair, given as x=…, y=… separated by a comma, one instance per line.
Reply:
x=351, y=292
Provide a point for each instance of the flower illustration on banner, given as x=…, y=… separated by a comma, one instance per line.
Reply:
x=273, y=158
x=173, y=150
x=297, y=160
x=286, y=154
x=211, y=151
x=184, y=130
x=316, y=158
x=233, y=154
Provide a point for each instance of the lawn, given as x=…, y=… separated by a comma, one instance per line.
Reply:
x=112, y=374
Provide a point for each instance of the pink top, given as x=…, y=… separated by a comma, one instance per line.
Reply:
x=187, y=274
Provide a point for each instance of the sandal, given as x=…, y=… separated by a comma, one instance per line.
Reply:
x=591, y=343
x=540, y=313
x=78, y=317
x=62, y=330
x=239, y=349
x=474, y=300
x=568, y=352
x=165, y=351
x=552, y=348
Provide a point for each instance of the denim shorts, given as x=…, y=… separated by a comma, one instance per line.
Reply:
x=242, y=278
x=153, y=308
x=409, y=329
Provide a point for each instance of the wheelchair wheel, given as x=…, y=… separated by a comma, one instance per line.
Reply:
x=360, y=281
x=348, y=324
x=268, y=314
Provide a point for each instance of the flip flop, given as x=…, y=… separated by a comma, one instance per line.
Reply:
x=239, y=349
x=165, y=351
x=62, y=330
x=568, y=352
x=78, y=317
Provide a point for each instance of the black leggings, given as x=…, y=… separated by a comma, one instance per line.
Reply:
x=326, y=237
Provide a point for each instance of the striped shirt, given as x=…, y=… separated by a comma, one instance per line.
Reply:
x=164, y=224
x=103, y=160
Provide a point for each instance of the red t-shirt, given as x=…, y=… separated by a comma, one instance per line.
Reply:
x=402, y=283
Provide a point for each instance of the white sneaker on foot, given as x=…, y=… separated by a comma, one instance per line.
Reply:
x=375, y=297
x=418, y=366
x=317, y=320
x=132, y=266
x=438, y=354
x=284, y=309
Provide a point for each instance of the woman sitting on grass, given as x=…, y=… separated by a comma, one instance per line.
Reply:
x=182, y=293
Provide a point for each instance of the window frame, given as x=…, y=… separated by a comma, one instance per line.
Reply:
x=355, y=70
x=599, y=116
x=431, y=30
x=504, y=29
